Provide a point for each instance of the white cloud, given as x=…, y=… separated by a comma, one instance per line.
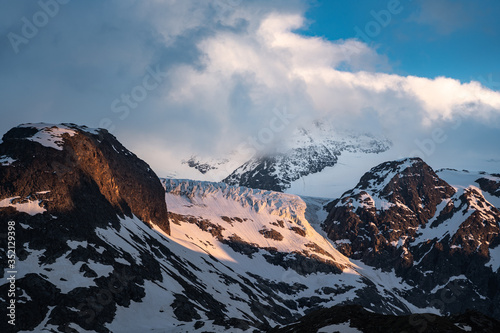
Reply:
x=284, y=67
x=230, y=63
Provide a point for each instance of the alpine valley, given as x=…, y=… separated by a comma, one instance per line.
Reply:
x=102, y=244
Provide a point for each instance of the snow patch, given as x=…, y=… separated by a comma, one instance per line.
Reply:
x=453, y=278
x=31, y=207
x=6, y=160
x=343, y=327
x=463, y=180
x=50, y=135
x=494, y=261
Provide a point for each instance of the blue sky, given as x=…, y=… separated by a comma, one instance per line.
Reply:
x=453, y=38
x=180, y=77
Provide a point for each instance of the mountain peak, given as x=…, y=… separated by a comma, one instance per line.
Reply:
x=308, y=151
x=395, y=198
x=400, y=175
x=403, y=216
x=405, y=181
x=70, y=164
x=48, y=135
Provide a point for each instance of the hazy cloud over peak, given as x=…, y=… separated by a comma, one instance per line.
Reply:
x=172, y=77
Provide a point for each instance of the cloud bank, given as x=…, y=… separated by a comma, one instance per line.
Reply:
x=171, y=78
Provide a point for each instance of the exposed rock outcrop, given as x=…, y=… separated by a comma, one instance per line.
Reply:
x=353, y=318
x=440, y=239
x=73, y=169
x=63, y=187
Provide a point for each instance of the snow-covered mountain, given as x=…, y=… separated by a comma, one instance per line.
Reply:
x=318, y=150
x=104, y=245
x=207, y=168
x=308, y=151
x=441, y=239
x=95, y=250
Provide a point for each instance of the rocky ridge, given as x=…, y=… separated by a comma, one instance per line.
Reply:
x=98, y=251
x=439, y=238
x=353, y=318
x=310, y=151
x=63, y=165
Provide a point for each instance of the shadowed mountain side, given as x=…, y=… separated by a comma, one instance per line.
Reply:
x=353, y=318
x=83, y=172
x=441, y=239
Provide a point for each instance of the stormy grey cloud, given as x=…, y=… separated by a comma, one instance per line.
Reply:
x=174, y=78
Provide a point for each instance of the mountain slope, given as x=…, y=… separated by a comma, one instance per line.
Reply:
x=97, y=250
x=307, y=151
x=353, y=318
x=441, y=239
x=266, y=235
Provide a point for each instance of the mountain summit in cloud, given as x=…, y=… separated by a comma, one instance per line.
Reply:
x=306, y=151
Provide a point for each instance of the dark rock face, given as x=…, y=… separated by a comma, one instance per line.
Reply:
x=92, y=172
x=302, y=264
x=402, y=216
x=390, y=202
x=201, y=167
x=272, y=234
x=490, y=185
x=77, y=181
x=349, y=317
x=258, y=174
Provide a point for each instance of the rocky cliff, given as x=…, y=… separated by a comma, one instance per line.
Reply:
x=61, y=188
x=70, y=169
x=441, y=239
